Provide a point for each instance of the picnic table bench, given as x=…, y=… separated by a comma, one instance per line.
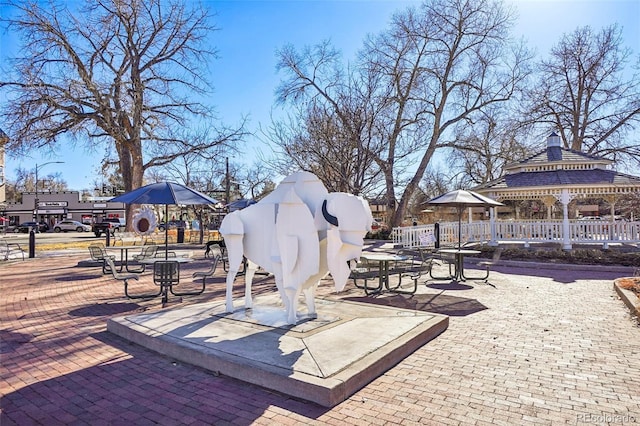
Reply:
x=382, y=266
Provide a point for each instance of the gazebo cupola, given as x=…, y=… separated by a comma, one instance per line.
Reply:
x=555, y=158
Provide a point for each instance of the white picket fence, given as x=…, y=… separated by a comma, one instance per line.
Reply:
x=522, y=231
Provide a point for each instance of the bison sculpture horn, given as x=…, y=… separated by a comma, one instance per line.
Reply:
x=328, y=216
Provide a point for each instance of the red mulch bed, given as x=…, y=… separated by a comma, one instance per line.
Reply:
x=632, y=284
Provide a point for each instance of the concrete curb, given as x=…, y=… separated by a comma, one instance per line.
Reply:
x=563, y=266
x=629, y=298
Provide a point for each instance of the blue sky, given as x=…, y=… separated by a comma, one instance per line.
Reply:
x=245, y=78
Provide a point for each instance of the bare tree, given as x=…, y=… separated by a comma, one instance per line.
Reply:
x=330, y=133
x=436, y=181
x=258, y=181
x=433, y=68
x=25, y=181
x=629, y=206
x=485, y=145
x=317, y=141
x=120, y=73
x=584, y=94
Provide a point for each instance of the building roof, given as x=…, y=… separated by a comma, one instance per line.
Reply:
x=561, y=178
x=557, y=153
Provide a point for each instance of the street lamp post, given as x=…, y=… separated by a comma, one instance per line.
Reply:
x=35, y=206
x=32, y=233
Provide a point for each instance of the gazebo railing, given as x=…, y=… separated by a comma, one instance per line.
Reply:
x=524, y=231
x=529, y=230
x=605, y=232
x=424, y=235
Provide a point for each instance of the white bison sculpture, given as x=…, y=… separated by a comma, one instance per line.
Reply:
x=299, y=233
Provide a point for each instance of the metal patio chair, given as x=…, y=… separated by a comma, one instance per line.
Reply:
x=166, y=274
x=125, y=277
x=201, y=274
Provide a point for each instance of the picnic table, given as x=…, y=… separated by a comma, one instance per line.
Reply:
x=383, y=265
x=458, y=263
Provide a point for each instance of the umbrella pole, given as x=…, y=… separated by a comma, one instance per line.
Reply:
x=459, y=226
x=166, y=231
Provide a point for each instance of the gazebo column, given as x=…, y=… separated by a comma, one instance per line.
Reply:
x=470, y=224
x=493, y=242
x=565, y=199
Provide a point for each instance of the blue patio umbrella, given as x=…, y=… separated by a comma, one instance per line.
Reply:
x=240, y=204
x=164, y=193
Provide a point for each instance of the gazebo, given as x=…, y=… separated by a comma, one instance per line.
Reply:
x=560, y=174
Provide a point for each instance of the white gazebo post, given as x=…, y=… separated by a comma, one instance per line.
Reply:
x=565, y=199
x=492, y=227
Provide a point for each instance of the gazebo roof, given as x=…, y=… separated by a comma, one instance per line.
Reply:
x=561, y=178
x=557, y=168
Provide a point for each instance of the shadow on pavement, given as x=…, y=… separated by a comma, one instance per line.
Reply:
x=434, y=303
x=79, y=277
x=10, y=340
x=106, y=309
x=453, y=285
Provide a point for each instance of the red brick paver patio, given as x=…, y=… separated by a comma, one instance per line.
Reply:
x=538, y=347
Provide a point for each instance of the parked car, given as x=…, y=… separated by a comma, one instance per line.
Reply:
x=111, y=224
x=590, y=218
x=173, y=224
x=28, y=226
x=71, y=225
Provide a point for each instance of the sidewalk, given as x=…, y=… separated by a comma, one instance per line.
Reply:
x=538, y=346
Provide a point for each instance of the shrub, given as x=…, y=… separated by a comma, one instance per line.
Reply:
x=576, y=256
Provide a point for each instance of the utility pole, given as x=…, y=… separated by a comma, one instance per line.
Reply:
x=32, y=233
x=36, y=201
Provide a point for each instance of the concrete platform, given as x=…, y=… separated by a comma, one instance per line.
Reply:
x=324, y=359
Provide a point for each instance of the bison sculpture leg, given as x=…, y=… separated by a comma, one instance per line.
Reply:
x=310, y=298
x=234, y=248
x=250, y=271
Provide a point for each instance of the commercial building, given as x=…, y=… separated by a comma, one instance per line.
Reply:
x=51, y=207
